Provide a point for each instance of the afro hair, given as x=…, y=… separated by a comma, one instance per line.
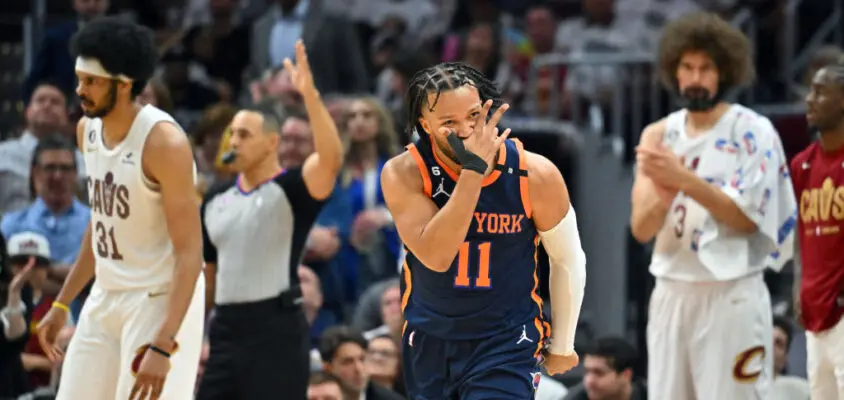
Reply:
x=121, y=46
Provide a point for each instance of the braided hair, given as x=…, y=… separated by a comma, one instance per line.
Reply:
x=441, y=78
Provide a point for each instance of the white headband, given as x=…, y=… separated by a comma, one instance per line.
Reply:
x=92, y=66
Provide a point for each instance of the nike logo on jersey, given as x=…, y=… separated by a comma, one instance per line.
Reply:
x=127, y=158
x=498, y=223
x=156, y=294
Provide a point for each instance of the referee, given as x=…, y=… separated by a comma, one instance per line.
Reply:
x=254, y=233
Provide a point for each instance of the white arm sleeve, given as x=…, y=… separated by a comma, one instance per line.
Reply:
x=566, y=281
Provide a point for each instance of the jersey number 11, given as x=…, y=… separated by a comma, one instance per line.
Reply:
x=482, y=280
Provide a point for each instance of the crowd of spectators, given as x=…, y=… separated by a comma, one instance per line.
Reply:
x=219, y=55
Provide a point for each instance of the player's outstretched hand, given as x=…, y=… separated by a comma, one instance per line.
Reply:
x=151, y=376
x=48, y=330
x=557, y=364
x=49, y=327
x=300, y=73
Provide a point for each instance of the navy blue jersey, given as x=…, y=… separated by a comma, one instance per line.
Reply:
x=492, y=284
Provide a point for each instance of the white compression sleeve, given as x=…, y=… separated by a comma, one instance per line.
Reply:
x=566, y=281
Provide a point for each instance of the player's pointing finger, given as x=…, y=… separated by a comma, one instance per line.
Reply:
x=496, y=118
x=484, y=113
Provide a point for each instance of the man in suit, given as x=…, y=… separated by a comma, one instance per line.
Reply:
x=53, y=61
x=335, y=54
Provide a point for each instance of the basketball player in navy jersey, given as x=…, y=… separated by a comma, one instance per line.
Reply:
x=471, y=206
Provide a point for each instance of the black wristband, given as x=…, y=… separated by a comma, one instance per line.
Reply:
x=468, y=160
x=159, y=351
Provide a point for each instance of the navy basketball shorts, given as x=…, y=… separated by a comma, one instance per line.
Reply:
x=503, y=367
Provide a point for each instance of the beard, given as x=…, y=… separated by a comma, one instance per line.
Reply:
x=98, y=112
x=697, y=98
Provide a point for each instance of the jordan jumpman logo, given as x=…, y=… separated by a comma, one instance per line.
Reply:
x=440, y=189
x=524, y=336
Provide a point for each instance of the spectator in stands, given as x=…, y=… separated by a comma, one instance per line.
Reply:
x=189, y=93
x=653, y=15
x=385, y=44
x=343, y=350
x=157, y=94
x=26, y=246
x=546, y=98
x=337, y=105
x=46, y=114
x=323, y=386
x=24, y=263
x=199, y=12
x=311, y=293
x=296, y=142
x=609, y=373
x=56, y=213
x=373, y=242
x=785, y=387
x=382, y=363
x=412, y=15
x=597, y=32
x=336, y=57
x=312, y=300
x=482, y=47
x=275, y=87
x=390, y=309
x=391, y=85
x=207, y=137
x=53, y=60
x=367, y=315
x=221, y=45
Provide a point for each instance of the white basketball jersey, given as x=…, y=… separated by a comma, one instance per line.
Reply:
x=673, y=256
x=130, y=241
x=676, y=253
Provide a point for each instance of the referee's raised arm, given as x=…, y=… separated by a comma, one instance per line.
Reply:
x=321, y=168
x=254, y=231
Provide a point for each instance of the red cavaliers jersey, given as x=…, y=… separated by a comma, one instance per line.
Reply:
x=818, y=179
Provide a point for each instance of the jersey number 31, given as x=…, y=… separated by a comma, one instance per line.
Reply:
x=482, y=280
x=106, y=245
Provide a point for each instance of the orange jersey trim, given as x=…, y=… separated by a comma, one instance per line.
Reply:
x=542, y=326
x=405, y=297
x=423, y=169
x=524, y=188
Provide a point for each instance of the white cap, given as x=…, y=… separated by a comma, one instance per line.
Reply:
x=28, y=244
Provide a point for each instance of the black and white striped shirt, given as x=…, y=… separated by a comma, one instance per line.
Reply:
x=257, y=238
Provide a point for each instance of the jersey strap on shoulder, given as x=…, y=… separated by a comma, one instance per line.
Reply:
x=423, y=169
x=524, y=189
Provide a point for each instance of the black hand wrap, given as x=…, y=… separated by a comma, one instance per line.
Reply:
x=468, y=160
